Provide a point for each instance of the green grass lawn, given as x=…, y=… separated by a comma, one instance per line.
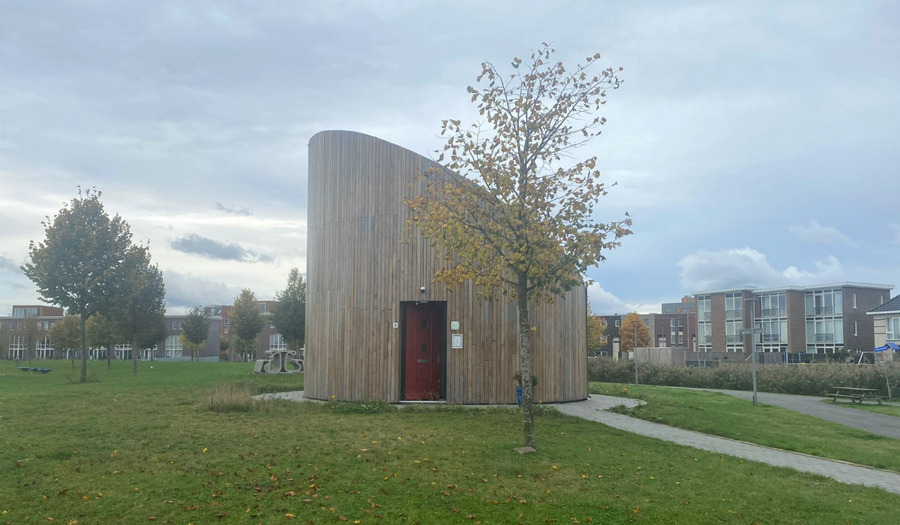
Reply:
x=727, y=416
x=150, y=449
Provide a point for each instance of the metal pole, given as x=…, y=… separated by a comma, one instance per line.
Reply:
x=634, y=349
x=753, y=345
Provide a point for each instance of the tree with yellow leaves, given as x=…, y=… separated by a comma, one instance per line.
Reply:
x=596, y=333
x=523, y=223
x=631, y=325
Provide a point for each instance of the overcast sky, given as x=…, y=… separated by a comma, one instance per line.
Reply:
x=754, y=143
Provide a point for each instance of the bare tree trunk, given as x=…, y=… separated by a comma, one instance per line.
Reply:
x=134, y=353
x=525, y=361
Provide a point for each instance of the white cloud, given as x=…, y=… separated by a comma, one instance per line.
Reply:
x=186, y=291
x=715, y=270
x=815, y=233
x=603, y=302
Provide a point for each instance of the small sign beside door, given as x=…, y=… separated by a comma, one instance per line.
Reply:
x=456, y=341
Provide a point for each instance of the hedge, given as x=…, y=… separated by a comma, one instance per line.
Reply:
x=802, y=379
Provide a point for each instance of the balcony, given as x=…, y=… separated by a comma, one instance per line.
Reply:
x=771, y=338
x=704, y=316
x=773, y=312
x=821, y=310
x=705, y=339
x=824, y=338
x=731, y=315
x=731, y=339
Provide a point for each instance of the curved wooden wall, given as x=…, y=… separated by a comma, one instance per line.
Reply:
x=364, y=260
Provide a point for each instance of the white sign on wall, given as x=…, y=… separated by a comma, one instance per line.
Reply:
x=456, y=341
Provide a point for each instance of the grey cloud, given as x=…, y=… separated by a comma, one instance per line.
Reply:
x=815, y=233
x=233, y=210
x=186, y=291
x=227, y=251
x=7, y=265
x=723, y=269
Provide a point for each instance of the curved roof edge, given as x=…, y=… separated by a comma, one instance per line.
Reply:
x=366, y=135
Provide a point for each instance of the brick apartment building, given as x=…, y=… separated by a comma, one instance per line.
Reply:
x=35, y=321
x=819, y=319
x=25, y=322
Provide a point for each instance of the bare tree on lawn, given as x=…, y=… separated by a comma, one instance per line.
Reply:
x=525, y=221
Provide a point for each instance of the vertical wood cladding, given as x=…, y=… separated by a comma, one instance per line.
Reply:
x=364, y=260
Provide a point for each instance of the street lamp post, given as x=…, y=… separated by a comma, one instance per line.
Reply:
x=634, y=352
x=752, y=331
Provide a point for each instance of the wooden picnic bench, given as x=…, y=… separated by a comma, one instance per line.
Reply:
x=854, y=394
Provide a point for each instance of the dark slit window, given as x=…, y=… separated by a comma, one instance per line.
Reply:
x=424, y=348
x=424, y=323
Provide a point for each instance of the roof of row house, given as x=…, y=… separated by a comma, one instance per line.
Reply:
x=892, y=306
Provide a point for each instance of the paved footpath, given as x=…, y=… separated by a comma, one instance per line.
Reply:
x=596, y=409
x=840, y=412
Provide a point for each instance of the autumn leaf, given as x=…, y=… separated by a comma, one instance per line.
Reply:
x=517, y=218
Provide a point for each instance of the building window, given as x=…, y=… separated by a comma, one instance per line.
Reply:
x=893, y=328
x=617, y=323
x=855, y=327
x=704, y=307
x=227, y=323
x=276, y=342
x=828, y=331
x=733, y=334
x=705, y=333
x=734, y=304
x=24, y=312
x=823, y=302
x=854, y=301
x=262, y=308
x=173, y=346
x=773, y=305
x=123, y=351
x=44, y=348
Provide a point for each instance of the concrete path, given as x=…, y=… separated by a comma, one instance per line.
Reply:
x=596, y=409
x=875, y=423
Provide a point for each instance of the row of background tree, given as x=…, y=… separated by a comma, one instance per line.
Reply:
x=246, y=322
x=88, y=264
x=632, y=325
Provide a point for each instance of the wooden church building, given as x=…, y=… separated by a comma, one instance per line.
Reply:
x=378, y=328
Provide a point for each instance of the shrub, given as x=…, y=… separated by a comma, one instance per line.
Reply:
x=803, y=379
x=238, y=397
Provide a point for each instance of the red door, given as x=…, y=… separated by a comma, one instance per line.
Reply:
x=423, y=343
